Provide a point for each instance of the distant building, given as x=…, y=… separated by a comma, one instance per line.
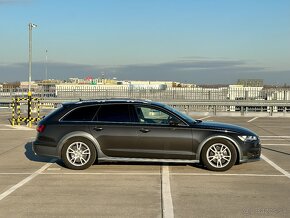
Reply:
x=13, y=85
x=239, y=92
x=251, y=82
x=25, y=85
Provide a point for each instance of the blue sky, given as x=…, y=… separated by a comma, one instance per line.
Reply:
x=201, y=41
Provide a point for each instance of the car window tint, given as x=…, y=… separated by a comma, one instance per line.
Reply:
x=154, y=116
x=82, y=114
x=114, y=113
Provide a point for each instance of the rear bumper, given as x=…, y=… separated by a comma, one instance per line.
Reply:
x=44, y=150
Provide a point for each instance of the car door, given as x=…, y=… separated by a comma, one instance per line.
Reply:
x=113, y=129
x=161, y=134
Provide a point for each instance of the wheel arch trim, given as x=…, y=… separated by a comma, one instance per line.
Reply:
x=82, y=135
x=200, y=147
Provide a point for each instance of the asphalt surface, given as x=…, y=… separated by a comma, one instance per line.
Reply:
x=31, y=186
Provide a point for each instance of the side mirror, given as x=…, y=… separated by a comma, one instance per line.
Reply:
x=173, y=123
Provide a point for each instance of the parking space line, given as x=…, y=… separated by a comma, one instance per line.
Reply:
x=204, y=117
x=276, y=139
x=105, y=173
x=275, y=166
x=274, y=136
x=158, y=174
x=276, y=144
x=225, y=174
x=167, y=206
x=17, y=130
x=15, y=173
x=251, y=120
x=24, y=181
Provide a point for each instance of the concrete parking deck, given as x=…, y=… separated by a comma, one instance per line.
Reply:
x=31, y=186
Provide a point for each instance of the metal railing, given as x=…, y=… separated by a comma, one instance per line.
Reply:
x=168, y=94
x=219, y=100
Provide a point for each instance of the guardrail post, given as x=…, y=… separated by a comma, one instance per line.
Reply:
x=271, y=110
x=214, y=110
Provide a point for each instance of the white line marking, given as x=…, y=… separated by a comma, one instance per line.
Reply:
x=276, y=144
x=21, y=127
x=53, y=169
x=252, y=119
x=277, y=139
x=275, y=166
x=224, y=174
x=204, y=117
x=17, y=129
x=107, y=173
x=24, y=181
x=274, y=136
x=174, y=174
x=15, y=173
x=167, y=209
x=149, y=174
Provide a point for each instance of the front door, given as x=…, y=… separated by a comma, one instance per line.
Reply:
x=162, y=135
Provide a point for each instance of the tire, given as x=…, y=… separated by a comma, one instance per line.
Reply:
x=78, y=153
x=219, y=155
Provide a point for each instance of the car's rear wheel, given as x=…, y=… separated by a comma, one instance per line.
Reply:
x=78, y=153
x=219, y=155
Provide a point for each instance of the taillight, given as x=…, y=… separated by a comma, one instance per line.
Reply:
x=40, y=128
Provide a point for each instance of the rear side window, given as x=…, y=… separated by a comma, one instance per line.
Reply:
x=82, y=114
x=114, y=113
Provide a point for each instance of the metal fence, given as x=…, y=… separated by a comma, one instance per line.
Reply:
x=272, y=101
x=168, y=94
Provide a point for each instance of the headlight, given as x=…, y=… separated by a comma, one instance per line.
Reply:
x=248, y=138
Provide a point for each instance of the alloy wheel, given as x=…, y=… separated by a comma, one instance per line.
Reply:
x=78, y=153
x=218, y=155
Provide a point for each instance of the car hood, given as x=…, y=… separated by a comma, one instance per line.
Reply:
x=223, y=127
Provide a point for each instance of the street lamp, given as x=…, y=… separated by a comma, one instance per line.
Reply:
x=30, y=27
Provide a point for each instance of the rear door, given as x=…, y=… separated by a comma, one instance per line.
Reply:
x=114, y=130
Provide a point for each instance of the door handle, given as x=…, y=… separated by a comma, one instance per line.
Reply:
x=98, y=128
x=144, y=130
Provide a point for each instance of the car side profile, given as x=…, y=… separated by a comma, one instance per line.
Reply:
x=82, y=132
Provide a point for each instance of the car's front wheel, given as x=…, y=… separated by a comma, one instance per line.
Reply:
x=78, y=153
x=219, y=155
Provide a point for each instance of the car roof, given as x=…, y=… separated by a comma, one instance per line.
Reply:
x=104, y=101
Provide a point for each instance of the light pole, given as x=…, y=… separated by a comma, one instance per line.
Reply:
x=46, y=65
x=30, y=27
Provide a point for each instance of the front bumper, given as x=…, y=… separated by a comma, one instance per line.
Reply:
x=251, y=151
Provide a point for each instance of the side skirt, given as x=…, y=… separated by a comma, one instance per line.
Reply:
x=120, y=159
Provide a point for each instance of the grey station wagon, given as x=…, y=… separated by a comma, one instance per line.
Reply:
x=82, y=132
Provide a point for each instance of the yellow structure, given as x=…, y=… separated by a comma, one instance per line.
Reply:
x=16, y=110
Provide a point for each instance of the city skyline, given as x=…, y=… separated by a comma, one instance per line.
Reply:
x=187, y=41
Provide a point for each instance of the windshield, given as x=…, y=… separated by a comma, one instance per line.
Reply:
x=179, y=113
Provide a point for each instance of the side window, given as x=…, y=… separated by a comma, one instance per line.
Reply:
x=155, y=116
x=82, y=114
x=114, y=113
